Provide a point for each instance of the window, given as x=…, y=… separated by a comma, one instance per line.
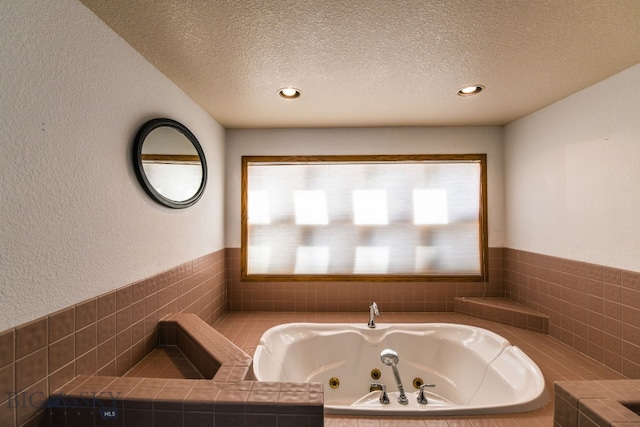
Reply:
x=416, y=217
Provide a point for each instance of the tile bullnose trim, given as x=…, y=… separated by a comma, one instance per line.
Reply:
x=601, y=402
x=207, y=347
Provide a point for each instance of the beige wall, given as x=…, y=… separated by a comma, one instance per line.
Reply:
x=74, y=222
x=572, y=176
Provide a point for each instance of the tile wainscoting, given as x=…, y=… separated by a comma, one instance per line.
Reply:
x=106, y=335
x=349, y=296
x=592, y=308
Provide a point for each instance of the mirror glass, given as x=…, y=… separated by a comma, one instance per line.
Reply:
x=170, y=163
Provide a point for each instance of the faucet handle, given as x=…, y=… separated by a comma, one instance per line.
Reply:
x=374, y=307
x=422, y=398
x=384, y=398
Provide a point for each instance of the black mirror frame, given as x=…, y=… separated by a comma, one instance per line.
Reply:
x=142, y=177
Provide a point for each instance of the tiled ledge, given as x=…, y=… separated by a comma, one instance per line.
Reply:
x=597, y=403
x=211, y=353
x=502, y=310
x=160, y=402
x=228, y=399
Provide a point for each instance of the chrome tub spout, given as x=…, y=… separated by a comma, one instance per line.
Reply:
x=373, y=312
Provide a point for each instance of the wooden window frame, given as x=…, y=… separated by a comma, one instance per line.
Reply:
x=482, y=213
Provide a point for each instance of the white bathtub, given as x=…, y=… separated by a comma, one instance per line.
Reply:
x=475, y=370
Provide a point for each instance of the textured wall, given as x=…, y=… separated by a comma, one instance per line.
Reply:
x=571, y=176
x=74, y=222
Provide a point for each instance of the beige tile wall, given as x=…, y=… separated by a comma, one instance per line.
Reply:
x=592, y=308
x=105, y=335
x=354, y=296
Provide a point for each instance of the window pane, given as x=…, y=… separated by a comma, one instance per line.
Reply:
x=310, y=207
x=430, y=207
x=370, y=207
x=312, y=260
x=259, y=207
x=417, y=216
x=371, y=260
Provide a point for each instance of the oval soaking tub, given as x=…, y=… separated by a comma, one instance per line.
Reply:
x=475, y=371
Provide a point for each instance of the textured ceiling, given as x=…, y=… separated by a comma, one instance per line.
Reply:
x=378, y=62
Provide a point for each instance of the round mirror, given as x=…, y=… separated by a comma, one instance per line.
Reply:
x=169, y=163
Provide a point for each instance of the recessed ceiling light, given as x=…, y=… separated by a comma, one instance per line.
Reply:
x=289, y=92
x=470, y=90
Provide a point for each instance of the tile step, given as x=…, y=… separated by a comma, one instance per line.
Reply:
x=503, y=310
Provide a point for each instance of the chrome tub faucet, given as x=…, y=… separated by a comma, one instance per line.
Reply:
x=373, y=312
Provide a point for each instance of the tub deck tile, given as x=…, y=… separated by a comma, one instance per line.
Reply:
x=165, y=362
x=503, y=310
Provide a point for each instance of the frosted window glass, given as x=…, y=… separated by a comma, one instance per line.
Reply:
x=259, y=207
x=370, y=207
x=311, y=207
x=371, y=260
x=332, y=217
x=426, y=257
x=430, y=207
x=259, y=259
x=312, y=260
